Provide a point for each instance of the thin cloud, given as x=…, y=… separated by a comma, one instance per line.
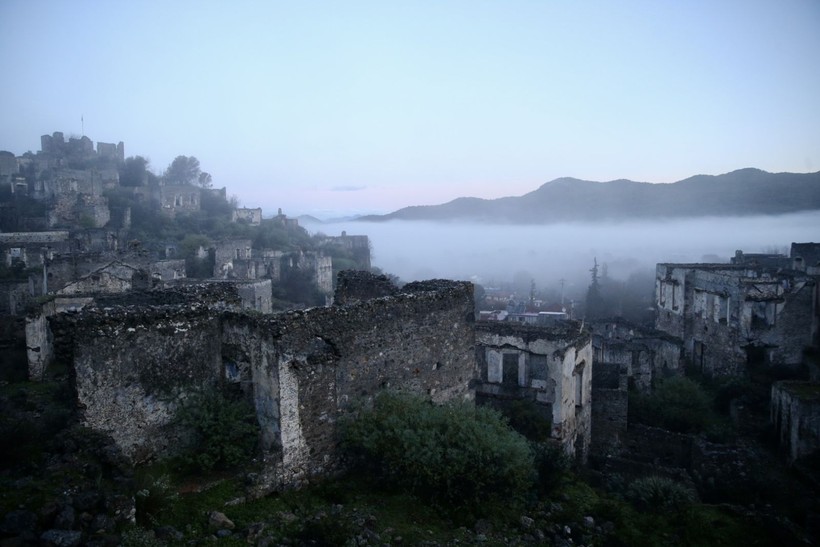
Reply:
x=347, y=188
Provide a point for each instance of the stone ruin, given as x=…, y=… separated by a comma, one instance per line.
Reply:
x=133, y=365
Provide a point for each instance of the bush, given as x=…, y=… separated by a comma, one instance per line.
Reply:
x=551, y=464
x=677, y=404
x=154, y=494
x=223, y=431
x=659, y=494
x=456, y=453
x=529, y=419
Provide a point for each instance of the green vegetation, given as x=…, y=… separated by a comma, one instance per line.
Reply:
x=660, y=494
x=337, y=511
x=154, y=494
x=33, y=414
x=455, y=453
x=529, y=419
x=185, y=170
x=677, y=404
x=223, y=431
x=469, y=448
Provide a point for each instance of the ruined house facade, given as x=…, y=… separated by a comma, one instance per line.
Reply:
x=795, y=414
x=118, y=284
x=247, y=215
x=71, y=176
x=56, y=150
x=32, y=248
x=357, y=245
x=135, y=357
x=625, y=356
x=731, y=316
x=645, y=355
x=175, y=199
x=550, y=366
x=237, y=259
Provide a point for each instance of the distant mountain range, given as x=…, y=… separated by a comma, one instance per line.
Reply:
x=739, y=193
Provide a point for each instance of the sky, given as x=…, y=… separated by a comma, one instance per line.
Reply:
x=333, y=108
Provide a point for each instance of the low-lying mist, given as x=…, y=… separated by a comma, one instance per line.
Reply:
x=490, y=254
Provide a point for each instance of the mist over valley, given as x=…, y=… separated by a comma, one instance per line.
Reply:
x=492, y=254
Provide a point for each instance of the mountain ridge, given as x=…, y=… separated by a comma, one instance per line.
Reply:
x=742, y=192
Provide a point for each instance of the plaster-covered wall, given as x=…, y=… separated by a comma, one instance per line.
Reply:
x=550, y=365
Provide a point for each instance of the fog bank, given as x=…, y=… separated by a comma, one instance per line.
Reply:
x=487, y=254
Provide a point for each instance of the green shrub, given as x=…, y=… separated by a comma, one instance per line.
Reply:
x=659, y=494
x=551, y=464
x=677, y=404
x=154, y=494
x=223, y=431
x=455, y=453
x=528, y=419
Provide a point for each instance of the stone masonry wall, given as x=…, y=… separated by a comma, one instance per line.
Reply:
x=131, y=369
x=307, y=368
x=303, y=370
x=610, y=408
x=356, y=285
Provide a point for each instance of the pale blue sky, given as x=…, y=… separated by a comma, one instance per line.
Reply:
x=371, y=106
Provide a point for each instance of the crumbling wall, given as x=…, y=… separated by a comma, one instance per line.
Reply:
x=40, y=337
x=168, y=270
x=30, y=247
x=104, y=281
x=228, y=255
x=550, y=365
x=14, y=297
x=324, y=274
x=670, y=282
x=610, y=408
x=795, y=413
x=323, y=360
x=730, y=316
x=358, y=285
x=249, y=216
x=792, y=333
x=256, y=295
x=132, y=367
x=39, y=350
x=182, y=198
x=73, y=209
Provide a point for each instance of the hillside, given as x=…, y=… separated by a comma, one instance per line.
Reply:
x=739, y=193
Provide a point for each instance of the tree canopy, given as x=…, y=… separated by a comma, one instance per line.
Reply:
x=134, y=172
x=186, y=170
